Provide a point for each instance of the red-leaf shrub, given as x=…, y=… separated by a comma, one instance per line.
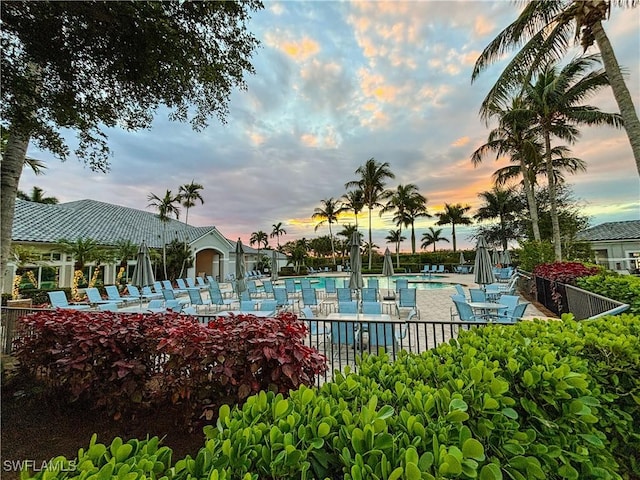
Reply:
x=121, y=360
x=564, y=272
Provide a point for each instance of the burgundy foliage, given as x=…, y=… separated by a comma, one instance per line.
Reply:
x=121, y=361
x=563, y=272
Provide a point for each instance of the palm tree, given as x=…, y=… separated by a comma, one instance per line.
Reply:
x=82, y=250
x=261, y=238
x=353, y=200
x=166, y=206
x=431, y=237
x=501, y=204
x=328, y=213
x=454, y=214
x=396, y=237
x=515, y=137
x=37, y=195
x=372, y=183
x=408, y=204
x=555, y=102
x=188, y=194
x=544, y=32
x=277, y=231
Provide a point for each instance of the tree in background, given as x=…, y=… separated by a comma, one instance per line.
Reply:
x=408, y=205
x=543, y=32
x=454, y=215
x=372, y=182
x=431, y=237
x=188, y=195
x=166, y=207
x=260, y=238
x=124, y=250
x=328, y=213
x=37, y=195
x=277, y=232
x=87, y=66
x=353, y=201
x=396, y=237
x=500, y=204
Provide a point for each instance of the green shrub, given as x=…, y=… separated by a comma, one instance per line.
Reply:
x=623, y=288
x=533, y=253
x=537, y=400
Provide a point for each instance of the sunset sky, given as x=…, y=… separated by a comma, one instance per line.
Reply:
x=337, y=83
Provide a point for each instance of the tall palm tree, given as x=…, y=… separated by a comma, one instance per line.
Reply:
x=498, y=204
x=396, y=237
x=353, y=200
x=277, y=232
x=515, y=136
x=37, y=195
x=82, y=250
x=188, y=194
x=260, y=238
x=372, y=183
x=166, y=207
x=431, y=237
x=455, y=215
x=555, y=101
x=408, y=205
x=544, y=32
x=328, y=213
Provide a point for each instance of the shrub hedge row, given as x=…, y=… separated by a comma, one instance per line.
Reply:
x=538, y=400
x=121, y=362
x=623, y=288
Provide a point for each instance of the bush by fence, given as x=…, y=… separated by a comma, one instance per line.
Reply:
x=122, y=362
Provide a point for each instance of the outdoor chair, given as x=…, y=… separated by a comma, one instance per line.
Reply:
x=191, y=283
x=169, y=295
x=440, y=269
x=113, y=294
x=290, y=287
x=245, y=296
x=344, y=294
x=373, y=283
x=371, y=308
x=196, y=299
x=460, y=290
x=282, y=298
x=516, y=314
x=58, y=299
x=348, y=307
x=321, y=332
x=401, y=283
x=182, y=286
x=405, y=330
x=94, y=297
x=381, y=335
x=157, y=287
x=166, y=284
x=156, y=306
x=146, y=291
x=344, y=334
x=510, y=301
x=135, y=292
x=252, y=288
x=465, y=312
x=247, y=305
x=305, y=283
x=200, y=283
x=425, y=269
x=369, y=295
x=173, y=305
x=453, y=312
x=434, y=269
x=267, y=285
x=407, y=299
x=215, y=295
x=477, y=295
x=309, y=298
x=269, y=305
x=188, y=311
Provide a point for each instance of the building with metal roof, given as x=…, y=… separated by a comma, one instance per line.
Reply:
x=41, y=227
x=616, y=245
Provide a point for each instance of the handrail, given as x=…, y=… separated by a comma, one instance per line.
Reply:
x=614, y=311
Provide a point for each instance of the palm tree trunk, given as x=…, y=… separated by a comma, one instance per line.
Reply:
x=620, y=91
x=370, y=239
x=531, y=201
x=10, y=172
x=413, y=240
x=453, y=236
x=551, y=180
x=333, y=250
x=164, y=250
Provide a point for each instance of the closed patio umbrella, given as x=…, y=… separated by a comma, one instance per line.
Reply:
x=355, y=260
x=241, y=268
x=387, y=267
x=274, y=265
x=462, y=259
x=483, y=268
x=143, y=271
x=506, y=258
x=495, y=257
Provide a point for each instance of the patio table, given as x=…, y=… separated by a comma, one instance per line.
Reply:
x=488, y=310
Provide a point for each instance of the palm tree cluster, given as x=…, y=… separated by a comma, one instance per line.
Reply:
x=538, y=100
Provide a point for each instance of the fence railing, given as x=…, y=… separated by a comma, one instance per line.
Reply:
x=584, y=304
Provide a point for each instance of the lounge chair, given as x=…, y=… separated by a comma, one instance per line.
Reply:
x=425, y=269
x=94, y=297
x=156, y=306
x=58, y=299
x=373, y=283
x=282, y=298
x=113, y=294
x=218, y=300
x=369, y=295
x=108, y=307
x=440, y=269
x=344, y=294
x=407, y=299
x=372, y=308
x=310, y=299
x=197, y=300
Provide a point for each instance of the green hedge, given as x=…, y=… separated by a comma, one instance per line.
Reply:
x=623, y=288
x=537, y=400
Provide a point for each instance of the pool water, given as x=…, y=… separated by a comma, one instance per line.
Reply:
x=420, y=282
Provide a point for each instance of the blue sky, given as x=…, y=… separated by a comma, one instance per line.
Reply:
x=337, y=83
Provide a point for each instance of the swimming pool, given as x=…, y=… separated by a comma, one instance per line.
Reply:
x=420, y=282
